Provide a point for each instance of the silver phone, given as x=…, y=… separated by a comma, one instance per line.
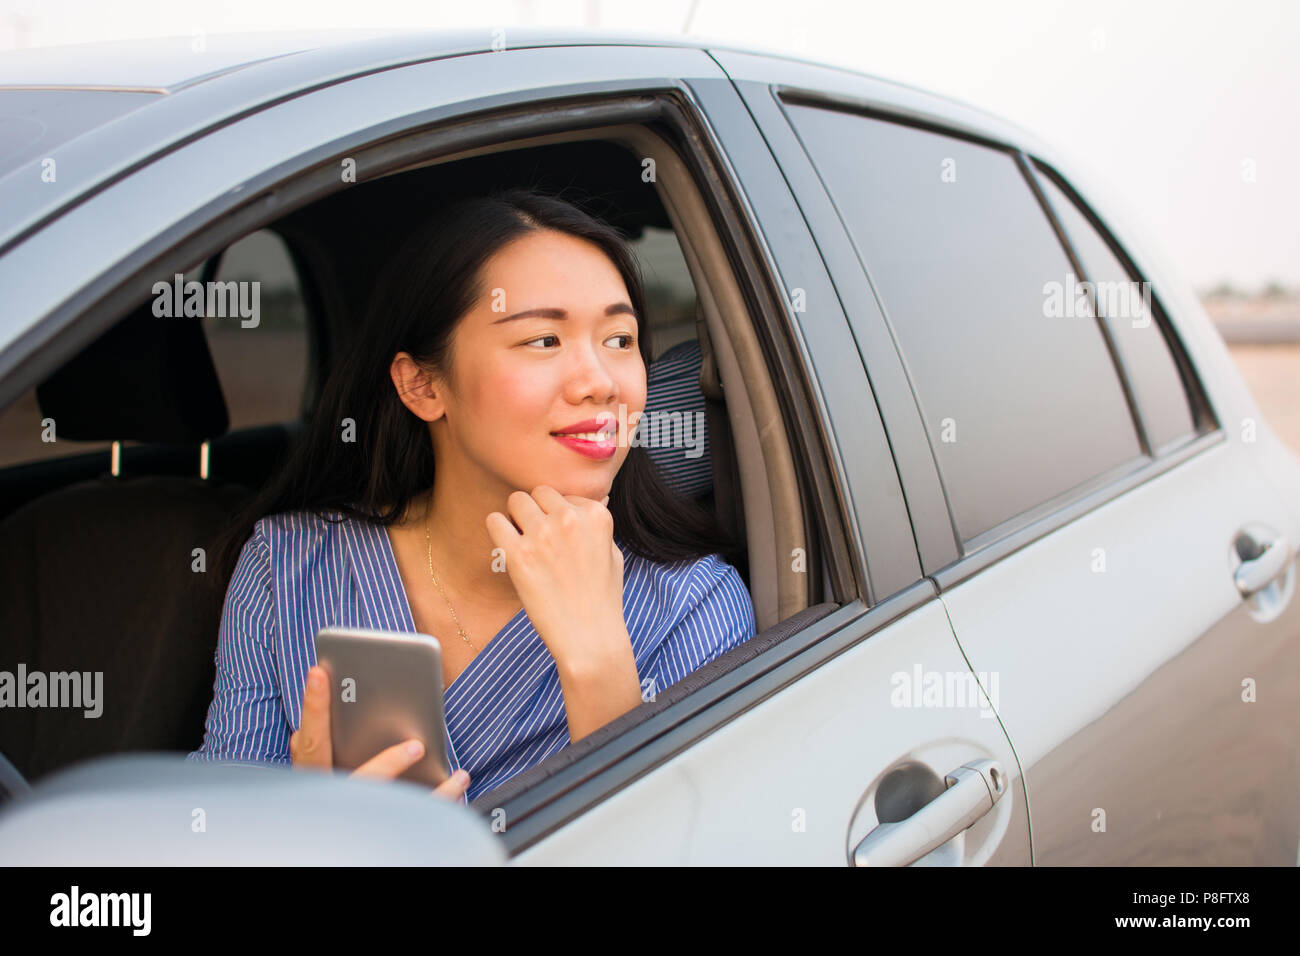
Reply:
x=385, y=687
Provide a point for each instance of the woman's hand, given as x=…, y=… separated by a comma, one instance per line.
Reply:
x=568, y=572
x=309, y=745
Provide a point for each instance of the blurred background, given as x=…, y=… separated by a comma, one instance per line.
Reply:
x=1189, y=111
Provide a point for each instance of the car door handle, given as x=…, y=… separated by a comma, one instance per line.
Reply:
x=972, y=790
x=1265, y=555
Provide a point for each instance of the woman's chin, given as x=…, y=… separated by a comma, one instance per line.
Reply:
x=594, y=486
x=590, y=479
x=594, y=491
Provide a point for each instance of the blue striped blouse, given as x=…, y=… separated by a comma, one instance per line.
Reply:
x=505, y=713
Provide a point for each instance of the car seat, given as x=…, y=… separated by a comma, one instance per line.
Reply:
x=104, y=575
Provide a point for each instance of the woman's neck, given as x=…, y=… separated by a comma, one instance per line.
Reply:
x=462, y=549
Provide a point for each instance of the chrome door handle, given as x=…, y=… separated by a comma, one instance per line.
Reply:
x=1272, y=555
x=972, y=789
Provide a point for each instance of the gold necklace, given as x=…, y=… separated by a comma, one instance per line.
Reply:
x=428, y=540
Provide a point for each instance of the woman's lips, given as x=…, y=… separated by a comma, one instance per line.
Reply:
x=599, y=449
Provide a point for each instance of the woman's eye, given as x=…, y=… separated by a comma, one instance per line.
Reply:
x=543, y=338
x=623, y=335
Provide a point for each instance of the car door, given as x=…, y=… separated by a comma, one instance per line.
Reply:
x=866, y=721
x=1110, y=524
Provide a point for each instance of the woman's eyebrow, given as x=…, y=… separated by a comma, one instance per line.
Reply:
x=618, y=308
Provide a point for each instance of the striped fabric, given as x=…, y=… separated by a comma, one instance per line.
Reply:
x=505, y=712
x=673, y=387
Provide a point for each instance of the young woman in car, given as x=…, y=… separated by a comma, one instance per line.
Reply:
x=464, y=476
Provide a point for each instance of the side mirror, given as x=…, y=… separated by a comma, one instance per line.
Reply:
x=164, y=810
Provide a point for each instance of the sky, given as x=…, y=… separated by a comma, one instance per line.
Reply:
x=1167, y=102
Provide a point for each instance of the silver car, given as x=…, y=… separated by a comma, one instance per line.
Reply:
x=1020, y=545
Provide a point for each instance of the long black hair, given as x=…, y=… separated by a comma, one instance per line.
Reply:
x=432, y=282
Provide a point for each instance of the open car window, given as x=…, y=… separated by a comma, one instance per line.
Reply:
x=320, y=260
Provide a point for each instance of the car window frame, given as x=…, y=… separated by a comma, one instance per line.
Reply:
x=1203, y=417
x=1034, y=196
x=219, y=224
x=885, y=380
x=945, y=559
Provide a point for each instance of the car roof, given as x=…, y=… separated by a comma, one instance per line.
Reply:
x=170, y=64
x=117, y=105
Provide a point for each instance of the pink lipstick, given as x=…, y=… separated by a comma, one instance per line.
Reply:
x=595, y=438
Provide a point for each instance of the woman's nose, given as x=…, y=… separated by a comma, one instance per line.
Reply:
x=589, y=377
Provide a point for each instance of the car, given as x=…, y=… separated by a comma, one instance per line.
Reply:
x=1019, y=542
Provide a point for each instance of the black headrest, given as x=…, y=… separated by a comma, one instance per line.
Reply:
x=147, y=379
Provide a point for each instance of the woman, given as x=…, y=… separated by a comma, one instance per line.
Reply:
x=466, y=475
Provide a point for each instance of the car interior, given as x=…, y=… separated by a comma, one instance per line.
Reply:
x=165, y=426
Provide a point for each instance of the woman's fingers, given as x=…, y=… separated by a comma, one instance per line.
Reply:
x=309, y=745
x=548, y=499
x=579, y=501
x=454, y=787
x=393, y=761
x=525, y=511
x=503, y=534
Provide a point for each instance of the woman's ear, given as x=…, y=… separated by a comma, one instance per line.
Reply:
x=420, y=391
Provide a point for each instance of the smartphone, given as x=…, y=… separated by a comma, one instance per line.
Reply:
x=385, y=688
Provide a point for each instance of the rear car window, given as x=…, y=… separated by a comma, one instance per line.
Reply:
x=1020, y=404
x=669, y=290
x=1135, y=330
x=262, y=367
x=27, y=435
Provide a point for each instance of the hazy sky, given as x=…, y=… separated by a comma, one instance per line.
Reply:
x=1164, y=100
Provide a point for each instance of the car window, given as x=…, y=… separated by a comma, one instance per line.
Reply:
x=669, y=291
x=1137, y=334
x=262, y=364
x=261, y=359
x=24, y=436
x=1020, y=404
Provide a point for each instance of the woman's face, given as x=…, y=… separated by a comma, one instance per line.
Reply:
x=552, y=347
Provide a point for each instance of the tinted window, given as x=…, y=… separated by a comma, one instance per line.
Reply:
x=1020, y=403
x=669, y=290
x=262, y=366
x=24, y=435
x=1137, y=334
